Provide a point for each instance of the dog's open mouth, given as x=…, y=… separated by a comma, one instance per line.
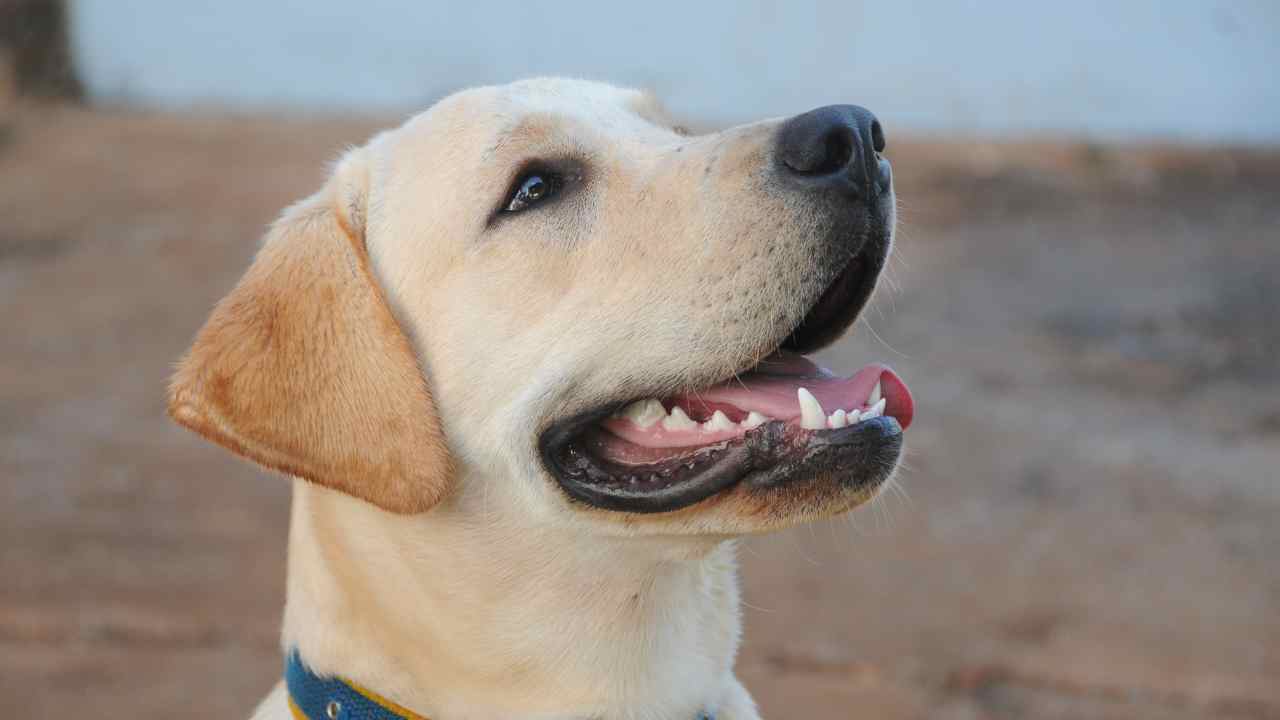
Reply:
x=783, y=419
x=785, y=387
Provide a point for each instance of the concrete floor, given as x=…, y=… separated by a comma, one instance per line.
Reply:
x=1087, y=529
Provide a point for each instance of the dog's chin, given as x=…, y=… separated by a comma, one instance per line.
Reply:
x=781, y=426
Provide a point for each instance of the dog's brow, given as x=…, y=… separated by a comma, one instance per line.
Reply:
x=529, y=130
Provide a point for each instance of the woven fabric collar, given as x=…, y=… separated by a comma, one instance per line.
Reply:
x=312, y=697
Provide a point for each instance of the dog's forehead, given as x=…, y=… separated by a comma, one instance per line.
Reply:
x=485, y=117
x=598, y=105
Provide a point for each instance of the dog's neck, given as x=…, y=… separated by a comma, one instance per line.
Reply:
x=470, y=615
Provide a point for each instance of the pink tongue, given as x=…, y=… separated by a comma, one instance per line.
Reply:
x=771, y=390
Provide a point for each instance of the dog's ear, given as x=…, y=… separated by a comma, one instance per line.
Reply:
x=304, y=369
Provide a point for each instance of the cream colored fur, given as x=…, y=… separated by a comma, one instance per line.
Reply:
x=669, y=265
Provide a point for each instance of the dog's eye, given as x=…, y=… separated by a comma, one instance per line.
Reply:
x=531, y=189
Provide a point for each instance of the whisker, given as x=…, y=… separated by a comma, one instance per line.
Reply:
x=796, y=546
x=882, y=340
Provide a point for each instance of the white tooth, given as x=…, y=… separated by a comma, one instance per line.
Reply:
x=754, y=420
x=719, y=421
x=811, y=415
x=852, y=417
x=837, y=419
x=645, y=413
x=677, y=420
x=876, y=410
x=875, y=395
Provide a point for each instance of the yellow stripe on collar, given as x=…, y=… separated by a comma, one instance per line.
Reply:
x=296, y=711
x=386, y=704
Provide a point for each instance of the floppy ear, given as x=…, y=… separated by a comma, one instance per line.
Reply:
x=304, y=369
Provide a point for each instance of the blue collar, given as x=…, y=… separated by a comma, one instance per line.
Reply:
x=312, y=697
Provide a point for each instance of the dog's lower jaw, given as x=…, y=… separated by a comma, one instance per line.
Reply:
x=458, y=619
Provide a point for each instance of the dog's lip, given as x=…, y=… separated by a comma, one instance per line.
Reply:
x=859, y=457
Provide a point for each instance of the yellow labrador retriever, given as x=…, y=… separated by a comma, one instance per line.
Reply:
x=534, y=359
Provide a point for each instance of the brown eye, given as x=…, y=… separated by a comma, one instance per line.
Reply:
x=533, y=188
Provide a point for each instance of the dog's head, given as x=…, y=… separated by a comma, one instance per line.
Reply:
x=546, y=296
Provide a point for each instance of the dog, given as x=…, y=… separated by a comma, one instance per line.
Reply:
x=533, y=360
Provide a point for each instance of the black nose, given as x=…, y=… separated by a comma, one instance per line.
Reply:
x=836, y=146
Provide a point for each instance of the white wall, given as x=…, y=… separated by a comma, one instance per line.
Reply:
x=1201, y=70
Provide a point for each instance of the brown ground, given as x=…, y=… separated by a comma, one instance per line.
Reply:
x=1092, y=529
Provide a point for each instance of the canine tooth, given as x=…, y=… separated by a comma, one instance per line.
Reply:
x=754, y=420
x=811, y=415
x=677, y=420
x=837, y=419
x=875, y=395
x=876, y=410
x=718, y=421
x=645, y=413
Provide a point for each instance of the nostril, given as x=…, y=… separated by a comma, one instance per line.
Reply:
x=877, y=136
x=818, y=153
x=836, y=146
x=823, y=155
x=838, y=150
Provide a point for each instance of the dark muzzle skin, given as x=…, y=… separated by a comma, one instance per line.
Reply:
x=831, y=156
x=862, y=457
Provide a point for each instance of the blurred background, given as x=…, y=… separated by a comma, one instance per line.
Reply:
x=1084, y=301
